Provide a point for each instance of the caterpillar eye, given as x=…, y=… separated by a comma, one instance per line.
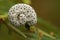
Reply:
x=19, y=14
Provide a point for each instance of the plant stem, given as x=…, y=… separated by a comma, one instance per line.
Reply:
x=2, y=19
x=46, y=34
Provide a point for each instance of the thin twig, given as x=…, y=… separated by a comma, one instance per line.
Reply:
x=46, y=34
x=2, y=19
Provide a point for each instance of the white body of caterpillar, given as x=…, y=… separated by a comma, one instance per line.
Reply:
x=19, y=14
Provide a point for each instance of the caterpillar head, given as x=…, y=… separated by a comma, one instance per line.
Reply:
x=19, y=14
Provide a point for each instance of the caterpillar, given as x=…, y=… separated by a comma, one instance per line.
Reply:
x=20, y=14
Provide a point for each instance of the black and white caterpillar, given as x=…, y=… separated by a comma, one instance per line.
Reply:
x=19, y=14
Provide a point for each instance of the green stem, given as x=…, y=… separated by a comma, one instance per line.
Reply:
x=46, y=34
x=2, y=19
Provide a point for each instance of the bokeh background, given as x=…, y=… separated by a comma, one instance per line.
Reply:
x=48, y=12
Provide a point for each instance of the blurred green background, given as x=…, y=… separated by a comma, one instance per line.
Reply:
x=48, y=12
